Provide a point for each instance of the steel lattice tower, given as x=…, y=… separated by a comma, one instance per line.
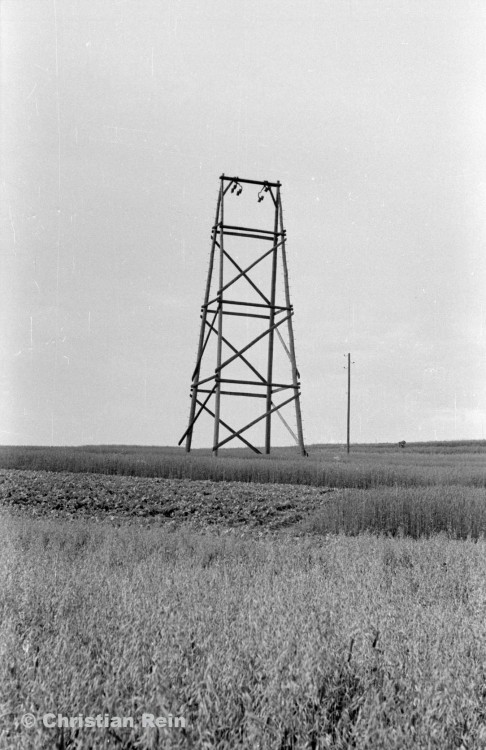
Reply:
x=207, y=390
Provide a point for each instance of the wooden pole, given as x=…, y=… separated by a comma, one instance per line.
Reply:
x=293, y=362
x=204, y=314
x=217, y=407
x=349, y=399
x=271, y=323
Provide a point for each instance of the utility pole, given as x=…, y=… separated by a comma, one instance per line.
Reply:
x=349, y=400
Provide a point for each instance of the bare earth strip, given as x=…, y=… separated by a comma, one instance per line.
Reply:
x=201, y=503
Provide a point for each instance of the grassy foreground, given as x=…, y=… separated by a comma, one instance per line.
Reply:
x=335, y=642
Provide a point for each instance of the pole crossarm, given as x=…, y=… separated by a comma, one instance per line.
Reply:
x=262, y=301
x=250, y=182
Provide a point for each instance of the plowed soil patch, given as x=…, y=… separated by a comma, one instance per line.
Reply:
x=202, y=503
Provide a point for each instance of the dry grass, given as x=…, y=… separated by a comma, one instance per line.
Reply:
x=366, y=632
x=335, y=642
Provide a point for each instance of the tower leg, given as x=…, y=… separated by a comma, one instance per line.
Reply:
x=295, y=373
x=217, y=402
x=268, y=421
x=204, y=315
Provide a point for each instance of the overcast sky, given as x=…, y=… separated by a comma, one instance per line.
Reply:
x=118, y=117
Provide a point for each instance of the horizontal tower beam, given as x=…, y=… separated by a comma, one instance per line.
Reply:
x=250, y=182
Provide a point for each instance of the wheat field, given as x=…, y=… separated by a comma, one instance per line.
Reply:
x=331, y=632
